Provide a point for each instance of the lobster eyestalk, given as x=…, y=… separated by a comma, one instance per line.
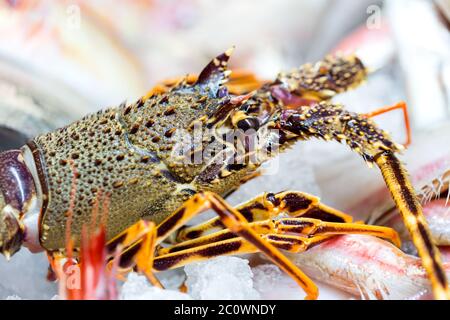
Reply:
x=408, y=205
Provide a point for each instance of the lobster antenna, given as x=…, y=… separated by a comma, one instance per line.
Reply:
x=410, y=209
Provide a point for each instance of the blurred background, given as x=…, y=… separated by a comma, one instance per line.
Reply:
x=79, y=56
x=62, y=59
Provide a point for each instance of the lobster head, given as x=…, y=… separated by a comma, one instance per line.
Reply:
x=230, y=134
x=218, y=129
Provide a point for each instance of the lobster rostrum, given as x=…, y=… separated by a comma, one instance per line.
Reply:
x=135, y=155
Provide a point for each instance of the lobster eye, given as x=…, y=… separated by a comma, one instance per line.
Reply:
x=248, y=123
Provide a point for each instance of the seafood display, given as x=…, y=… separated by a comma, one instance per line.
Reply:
x=53, y=175
x=115, y=179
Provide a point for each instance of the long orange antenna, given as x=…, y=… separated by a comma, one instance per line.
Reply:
x=401, y=105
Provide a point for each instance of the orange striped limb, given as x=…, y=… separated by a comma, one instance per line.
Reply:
x=314, y=227
x=144, y=233
x=234, y=221
x=235, y=246
x=333, y=122
x=293, y=243
x=267, y=206
x=410, y=209
x=306, y=227
x=401, y=105
x=139, y=240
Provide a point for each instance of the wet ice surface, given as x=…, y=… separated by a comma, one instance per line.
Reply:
x=221, y=278
x=274, y=284
x=227, y=278
x=25, y=277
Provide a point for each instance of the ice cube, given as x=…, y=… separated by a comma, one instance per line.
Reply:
x=272, y=283
x=221, y=278
x=172, y=279
x=25, y=276
x=138, y=288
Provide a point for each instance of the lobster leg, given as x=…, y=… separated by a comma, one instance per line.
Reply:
x=231, y=219
x=144, y=233
x=267, y=206
x=233, y=246
x=277, y=238
x=306, y=227
x=315, y=227
x=294, y=244
x=235, y=222
x=411, y=212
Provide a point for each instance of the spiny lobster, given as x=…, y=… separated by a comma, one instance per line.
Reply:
x=137, y=157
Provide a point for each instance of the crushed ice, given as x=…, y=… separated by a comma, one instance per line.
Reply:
x=138, y=288
x=222, y=278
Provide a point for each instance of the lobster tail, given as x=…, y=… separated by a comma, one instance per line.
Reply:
x=402, y=192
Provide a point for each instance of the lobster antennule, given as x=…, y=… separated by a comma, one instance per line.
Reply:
x=410, y=209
